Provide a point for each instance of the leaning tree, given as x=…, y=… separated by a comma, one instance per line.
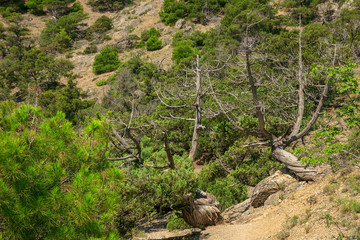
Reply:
x=281, y=93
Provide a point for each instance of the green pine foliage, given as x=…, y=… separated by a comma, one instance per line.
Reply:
x=65, y=174
x=153, y=44
x=109, y=5
x=150, y=39
x=53, y=185
x=55, y=7
x=176, y=223
x=67, y=100
x=99, y=28
x=106, y=61
x=173, y=10
x=184, y=51
x=59, y=34
x=9, y=7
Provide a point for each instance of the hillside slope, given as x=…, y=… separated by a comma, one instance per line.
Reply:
x=325, y=209
x=317, y=210
x=134, y=19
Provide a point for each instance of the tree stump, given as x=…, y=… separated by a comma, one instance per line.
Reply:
x=202, y=211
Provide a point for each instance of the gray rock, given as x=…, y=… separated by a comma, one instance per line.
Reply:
x=180, y=23
x=142, y=10
x=250, y=191
x=275, y=199
x=188, y=29
x=268, y=186
x=233, y=213
x=292, y=187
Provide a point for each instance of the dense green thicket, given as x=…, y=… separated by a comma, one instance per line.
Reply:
x=72, y=168
x=99, y=28
x=150, y=39
x=59, y=34
x=106, y=61
x=32, y=73
x=55, y=7
x=196, y=10
x=109, y=5
x=67, y=100
x=52, y=184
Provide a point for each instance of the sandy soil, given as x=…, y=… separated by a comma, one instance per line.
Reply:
x=310, y=200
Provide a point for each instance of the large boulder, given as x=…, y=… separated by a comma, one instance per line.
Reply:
x=268, y=186
x=233, y=213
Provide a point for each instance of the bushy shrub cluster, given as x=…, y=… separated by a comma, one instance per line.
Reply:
x=99, y=28
x=55, y=7
x=150, y=39
x=52, y=185
x=109, y=5
x=60, y=34
x=184, y=50
x=176, y=223
x=90, y=49
x=101, y=82
x=173, y=10
x=106, y=61
x=67, y=100
x=9, y=7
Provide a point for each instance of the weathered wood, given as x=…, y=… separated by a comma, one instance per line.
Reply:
x=295, y=166
x=198, y=117
x=202, y=211
x=168, y=152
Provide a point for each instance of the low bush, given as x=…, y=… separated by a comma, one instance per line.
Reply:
x=101, y=82
x=184, y=51
x=90, y=49
x=150, y=39
x=106, y=61
x=109, y=5
x=153, y=44
x=59, y=34
x=98, y=29
x=173, y=10
x=176, y=223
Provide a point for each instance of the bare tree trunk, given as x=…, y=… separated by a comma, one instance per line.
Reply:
x=197, y=125
x=294, y=165
x=256, y=102
x=168, y=152
x=301, y=93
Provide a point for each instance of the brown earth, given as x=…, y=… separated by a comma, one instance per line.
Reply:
x=140, y=16
x=309, y=204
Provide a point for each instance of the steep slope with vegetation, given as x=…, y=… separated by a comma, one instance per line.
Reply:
x=105, y=110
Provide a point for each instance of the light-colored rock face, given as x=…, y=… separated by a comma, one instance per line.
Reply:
x=270, y=185
x=180, y=23
x=233, y=213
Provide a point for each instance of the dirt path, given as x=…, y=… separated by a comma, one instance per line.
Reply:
x=309, y=204
x=250, y=231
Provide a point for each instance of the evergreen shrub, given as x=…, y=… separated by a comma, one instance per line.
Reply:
x=106, y=61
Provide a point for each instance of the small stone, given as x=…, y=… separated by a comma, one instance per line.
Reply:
x=180, y=23
x=188, y=29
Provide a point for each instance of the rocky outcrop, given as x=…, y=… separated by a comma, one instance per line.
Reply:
x=268, y=186
x=180, y=23
x=233, y=213
x=270, y=191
